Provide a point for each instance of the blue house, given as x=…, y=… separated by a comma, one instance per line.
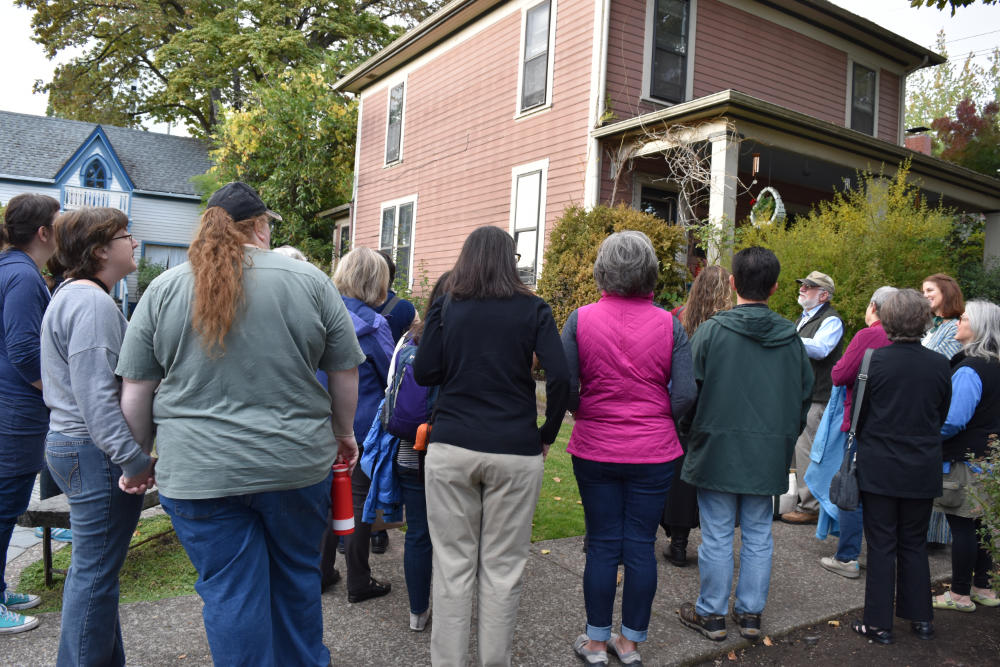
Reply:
x=145, y=174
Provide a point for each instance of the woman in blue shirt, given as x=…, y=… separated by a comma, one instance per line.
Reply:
x=24, y=419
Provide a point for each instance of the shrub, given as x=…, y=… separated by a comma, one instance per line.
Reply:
x=567, y=280
x=147, y=271
x=988, y=493
x=880, y=233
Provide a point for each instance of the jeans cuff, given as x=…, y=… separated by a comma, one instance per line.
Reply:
x=598, y=634
x=633, y=635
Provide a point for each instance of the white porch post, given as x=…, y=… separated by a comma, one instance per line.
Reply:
x=722, y=194
x=991, y=245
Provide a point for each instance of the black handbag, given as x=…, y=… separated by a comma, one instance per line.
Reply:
x=844, y=491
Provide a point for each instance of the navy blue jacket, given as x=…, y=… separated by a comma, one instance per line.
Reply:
x=400, y=318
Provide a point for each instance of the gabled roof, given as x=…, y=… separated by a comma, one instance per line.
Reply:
x=38, y=147
x=455, y=15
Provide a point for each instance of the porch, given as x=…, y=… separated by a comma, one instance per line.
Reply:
x=76, y=197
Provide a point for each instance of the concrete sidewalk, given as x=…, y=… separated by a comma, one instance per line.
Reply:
x=170, y=632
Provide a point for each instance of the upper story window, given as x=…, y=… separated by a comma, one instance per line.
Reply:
x=95, y=175
x=668, y=67
x=864, y=96
x=535, y=62
x=394, y=127
x=396, y=237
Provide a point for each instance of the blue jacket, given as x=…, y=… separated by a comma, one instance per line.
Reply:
x=24, y=419
x=379, y=453
x=825, y=458
x=400, y=318
x=376, y=342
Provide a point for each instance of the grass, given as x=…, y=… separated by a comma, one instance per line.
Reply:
x=160, y=568
x=154, y=570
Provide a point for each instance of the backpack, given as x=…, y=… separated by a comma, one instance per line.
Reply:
x=407, y=404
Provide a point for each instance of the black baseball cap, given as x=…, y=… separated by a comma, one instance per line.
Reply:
x=240, y=201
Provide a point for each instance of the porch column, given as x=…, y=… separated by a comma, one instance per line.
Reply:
x=991, y=245
x=722, y=195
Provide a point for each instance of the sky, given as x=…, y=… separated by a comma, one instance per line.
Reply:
x=973, y=29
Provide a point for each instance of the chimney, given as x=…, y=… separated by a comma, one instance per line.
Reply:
x=918, y=141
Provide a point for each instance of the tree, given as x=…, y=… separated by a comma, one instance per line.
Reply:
x=954, y=4
x=187, y=60
x=970, y=139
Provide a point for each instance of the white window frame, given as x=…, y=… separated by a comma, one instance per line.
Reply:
x=849, y=102
x=641, y=180
x=395, y=204
x=515, y=173
x=647, y=55
x=519, y=111
x=402, y=122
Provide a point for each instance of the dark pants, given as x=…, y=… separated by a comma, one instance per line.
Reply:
x=15, y=494
x=358, y=544
x=417, y=552
x=968, y=555
x=896, y=531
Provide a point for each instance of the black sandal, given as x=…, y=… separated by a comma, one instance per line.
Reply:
x=878, y=635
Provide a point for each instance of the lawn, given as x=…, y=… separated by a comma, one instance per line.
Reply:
x=157, y=566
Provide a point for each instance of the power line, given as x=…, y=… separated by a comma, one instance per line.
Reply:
x=960, y=39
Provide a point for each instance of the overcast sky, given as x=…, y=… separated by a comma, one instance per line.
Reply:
x=973, y=29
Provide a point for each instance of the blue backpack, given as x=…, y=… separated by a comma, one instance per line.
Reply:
x=407, y=404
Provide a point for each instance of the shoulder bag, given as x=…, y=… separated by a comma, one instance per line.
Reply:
x=844, y=491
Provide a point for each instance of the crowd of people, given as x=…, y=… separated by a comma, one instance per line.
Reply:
x=245, y=374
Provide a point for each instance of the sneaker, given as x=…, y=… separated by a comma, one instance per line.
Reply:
x=58, y=534
x=419, y=621
x=627, y=658
x=12, y=622
x=712, y=626
x=850, y=569
x=749, y=625
x=20, y=601
x=588, y=656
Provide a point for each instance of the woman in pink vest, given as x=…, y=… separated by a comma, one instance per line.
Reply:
x=630, y=378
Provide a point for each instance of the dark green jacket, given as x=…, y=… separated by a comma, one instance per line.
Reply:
x=754, y=391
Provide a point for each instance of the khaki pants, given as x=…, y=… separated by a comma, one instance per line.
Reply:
x=479, y=510
x=803, y=446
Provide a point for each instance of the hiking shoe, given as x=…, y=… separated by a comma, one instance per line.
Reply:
x=749, y=625
x=588, y=656
x=20, y=601
x=58, y=534
x=800, y=518
x=629, y=658
x=712, y=626
x=12, y=622
x=419, y=621
x=850, y=569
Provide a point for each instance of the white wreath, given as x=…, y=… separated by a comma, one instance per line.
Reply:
x=779, y=208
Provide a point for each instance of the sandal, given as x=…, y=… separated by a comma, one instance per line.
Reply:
x=878, y=635
x=949, y=603
x=628, y=658
x=985, y=601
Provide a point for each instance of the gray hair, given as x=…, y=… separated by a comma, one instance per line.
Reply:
x=984, y=320
x=289, y=251
x=626, y=264
x=880, y=295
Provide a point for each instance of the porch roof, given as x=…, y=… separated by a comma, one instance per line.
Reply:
x=774, y=124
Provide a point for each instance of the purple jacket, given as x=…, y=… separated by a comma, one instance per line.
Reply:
x=625, y=348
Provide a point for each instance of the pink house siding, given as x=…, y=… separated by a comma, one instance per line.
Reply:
x=626, y=32
x=888, y=107
x=460, y=139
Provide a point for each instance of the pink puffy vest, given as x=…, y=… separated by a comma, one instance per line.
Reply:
x=625, y=346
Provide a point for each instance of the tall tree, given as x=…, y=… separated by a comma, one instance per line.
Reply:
x=187, y=60
x=954, y=4
x=972, y=139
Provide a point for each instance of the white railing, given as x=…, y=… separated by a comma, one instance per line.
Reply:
x=74, y=198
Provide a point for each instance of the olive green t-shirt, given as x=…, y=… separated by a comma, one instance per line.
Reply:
x=255, y=418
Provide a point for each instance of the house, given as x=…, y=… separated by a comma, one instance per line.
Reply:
x=505, y=112
x=145, y=174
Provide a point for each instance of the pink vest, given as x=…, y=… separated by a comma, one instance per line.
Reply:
x=624, y=346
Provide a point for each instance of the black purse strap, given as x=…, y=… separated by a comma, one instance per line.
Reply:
x=859, y=390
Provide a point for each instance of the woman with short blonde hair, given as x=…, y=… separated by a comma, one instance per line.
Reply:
x=362, y=274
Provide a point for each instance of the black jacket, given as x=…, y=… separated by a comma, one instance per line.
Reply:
x=899, y=437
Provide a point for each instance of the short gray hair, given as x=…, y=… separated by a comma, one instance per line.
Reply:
x=880, y=295
x=289, y=251
x=984, y=320
x=626, y=264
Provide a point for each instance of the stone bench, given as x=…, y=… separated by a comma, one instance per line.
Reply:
x=54, y=513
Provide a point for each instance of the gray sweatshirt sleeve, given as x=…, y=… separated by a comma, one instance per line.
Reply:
x=572, y=354
x=683, y=390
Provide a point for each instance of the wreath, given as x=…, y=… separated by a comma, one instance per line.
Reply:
x=767, y=207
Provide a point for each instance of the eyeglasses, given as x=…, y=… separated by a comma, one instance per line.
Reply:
x=123, y=236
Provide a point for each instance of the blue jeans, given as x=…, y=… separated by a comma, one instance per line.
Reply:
x=622, y=505
x=15, y=494
x=257, y=557
x=719, y=511
x=417, y=553
x=851, y=530
x=103, y=519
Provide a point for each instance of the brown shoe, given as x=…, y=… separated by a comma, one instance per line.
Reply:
x=800, y=518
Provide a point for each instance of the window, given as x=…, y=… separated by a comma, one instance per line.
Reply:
x=168, y=256
x=528, y=217
x=343, y=244
x=864, y=91
x=669, y=57
x=535, y=68
x=394, y=128
x=397, y=236
x=95, y=175
x=661, y=203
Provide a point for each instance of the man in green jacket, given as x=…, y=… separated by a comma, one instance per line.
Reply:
x=755, y=388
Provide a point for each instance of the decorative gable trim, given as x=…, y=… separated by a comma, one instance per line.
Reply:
x=116, y=166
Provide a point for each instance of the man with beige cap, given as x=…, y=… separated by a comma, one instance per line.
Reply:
x=822, y=333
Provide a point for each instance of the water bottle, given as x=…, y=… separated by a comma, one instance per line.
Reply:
x=341, y=500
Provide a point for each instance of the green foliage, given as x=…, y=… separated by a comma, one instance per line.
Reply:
x=147, y=271
x=987, y=492
x=971, y=139
x=953, y=4
x=567, y=280
x=880, y=233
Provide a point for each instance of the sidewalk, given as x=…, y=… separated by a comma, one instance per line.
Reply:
x=170, y=632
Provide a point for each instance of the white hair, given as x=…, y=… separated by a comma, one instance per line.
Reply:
x=984, y=320
x=289, y=251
